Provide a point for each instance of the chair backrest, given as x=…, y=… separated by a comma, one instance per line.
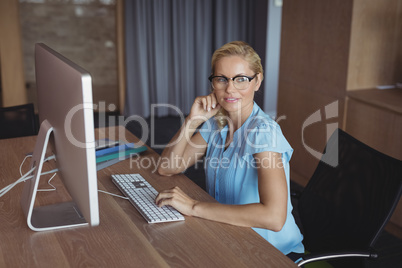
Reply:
x=346, y=207
x=18, y=121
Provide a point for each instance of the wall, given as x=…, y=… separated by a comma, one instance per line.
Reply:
x=329, y=50
x=313, y=71
x=81, y=30
x=376, y=44
x=12, y=79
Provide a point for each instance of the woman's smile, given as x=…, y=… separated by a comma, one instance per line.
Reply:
x=231, y=100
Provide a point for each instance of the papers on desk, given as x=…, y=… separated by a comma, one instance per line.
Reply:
x=112, y=155
x=105, y=143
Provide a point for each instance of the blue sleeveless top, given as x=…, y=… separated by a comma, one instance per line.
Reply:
x=231, y=174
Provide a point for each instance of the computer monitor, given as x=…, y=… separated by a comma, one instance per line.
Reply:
x=64, y=93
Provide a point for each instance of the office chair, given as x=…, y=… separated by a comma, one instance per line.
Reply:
x=18, y=121
x=347, y=202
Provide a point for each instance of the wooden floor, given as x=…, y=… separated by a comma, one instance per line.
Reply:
x=388, y=246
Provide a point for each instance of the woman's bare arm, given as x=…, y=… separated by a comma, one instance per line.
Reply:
x=269, y=213
x=185, y=148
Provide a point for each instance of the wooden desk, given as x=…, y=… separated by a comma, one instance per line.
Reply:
x=123, y=238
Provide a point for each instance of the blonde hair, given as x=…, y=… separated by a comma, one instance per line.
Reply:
x=243, y=50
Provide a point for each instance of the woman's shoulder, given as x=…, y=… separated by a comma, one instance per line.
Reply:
x=262, y=133
x=260, y=120
x=261, y=129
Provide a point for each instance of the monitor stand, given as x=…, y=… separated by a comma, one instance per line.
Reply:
x=49, y=217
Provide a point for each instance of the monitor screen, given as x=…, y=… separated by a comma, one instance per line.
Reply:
x=64, y=92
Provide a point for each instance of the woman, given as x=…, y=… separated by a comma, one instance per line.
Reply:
x=247, y=156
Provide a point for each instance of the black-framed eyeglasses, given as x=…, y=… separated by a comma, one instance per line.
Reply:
x=240, y=82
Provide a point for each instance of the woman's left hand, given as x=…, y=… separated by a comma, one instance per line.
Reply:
x=176, y=198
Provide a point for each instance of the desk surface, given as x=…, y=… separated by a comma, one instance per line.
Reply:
x=123, y=238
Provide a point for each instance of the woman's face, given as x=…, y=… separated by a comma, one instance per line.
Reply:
x=232, y=99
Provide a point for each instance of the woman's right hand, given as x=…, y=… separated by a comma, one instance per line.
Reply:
x=204, y=107
x=188, y=146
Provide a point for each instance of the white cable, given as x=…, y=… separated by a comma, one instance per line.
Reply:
x=30, y=155
x=23, y=178
x=48, y=182
x=10, y=186
x=23, y=161
x=113, y=194
x=44, y=173
x=27, y=177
